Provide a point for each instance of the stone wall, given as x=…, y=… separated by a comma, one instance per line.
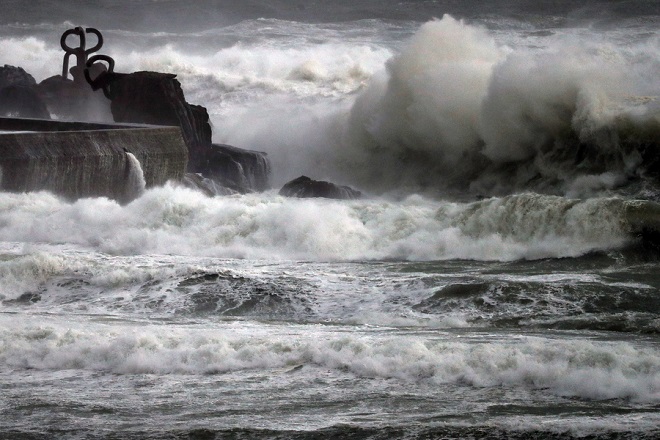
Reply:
x=74, y=159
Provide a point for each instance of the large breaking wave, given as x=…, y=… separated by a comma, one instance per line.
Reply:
x=575, y=117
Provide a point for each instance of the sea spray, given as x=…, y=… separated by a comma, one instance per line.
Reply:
x=559, y=116
x=493, y=119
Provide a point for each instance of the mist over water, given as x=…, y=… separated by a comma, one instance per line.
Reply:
x=498, y=280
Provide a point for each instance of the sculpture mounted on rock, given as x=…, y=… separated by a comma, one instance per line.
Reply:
x=71, y=99
x=157, y=98
x=102, y=76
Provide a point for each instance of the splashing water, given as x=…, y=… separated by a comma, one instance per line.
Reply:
x=135, y=183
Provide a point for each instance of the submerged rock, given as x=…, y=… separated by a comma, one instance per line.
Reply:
x=304, y=187
x=207, y=186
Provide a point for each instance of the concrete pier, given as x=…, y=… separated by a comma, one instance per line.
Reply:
x=76, y=159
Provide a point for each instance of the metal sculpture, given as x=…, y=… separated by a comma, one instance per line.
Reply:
x=104, y=76
x=81, y=52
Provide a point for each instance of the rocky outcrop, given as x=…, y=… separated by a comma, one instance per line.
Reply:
x=157, y=98
x=15, y=76
x=305, y=187
x=236, y=168
x=21, y=96
x=22, y=102
x=18, y=97
x=68, y=101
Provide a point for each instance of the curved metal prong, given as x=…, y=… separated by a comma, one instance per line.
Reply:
x=108, y=59
x=100, y=82
x=65, y=65
x=99, y=42
x=76, y=31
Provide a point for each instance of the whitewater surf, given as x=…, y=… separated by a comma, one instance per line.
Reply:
x=498, y=279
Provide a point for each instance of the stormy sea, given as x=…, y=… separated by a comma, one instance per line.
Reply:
x=499, y=278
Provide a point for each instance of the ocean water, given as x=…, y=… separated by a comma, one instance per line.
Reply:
x=494, y=282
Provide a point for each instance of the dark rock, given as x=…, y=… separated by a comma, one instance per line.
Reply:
x=240, y=170
x=15, y=76
x=22, y=102
x=17, y=95
x=157, y=98
x=303, y=187
x=202, y=127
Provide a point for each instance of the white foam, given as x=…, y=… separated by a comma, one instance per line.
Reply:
x=38, y=58
x=581, y=368
x=454, y=105
x=172, y=220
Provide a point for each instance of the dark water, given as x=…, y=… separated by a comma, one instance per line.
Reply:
x=499, y=279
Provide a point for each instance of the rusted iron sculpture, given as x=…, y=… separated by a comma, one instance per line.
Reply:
x=81, y=52
x=90, y=69
x=103, y=76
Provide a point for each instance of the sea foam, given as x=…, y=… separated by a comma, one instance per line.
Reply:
x=173, y=220
x=580, y=368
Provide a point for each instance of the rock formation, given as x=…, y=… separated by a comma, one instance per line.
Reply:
x=18, y=97
x=15, y=76
x=157, y=98
x=236, y=168
x=22, y=102
x=305, y=187
x=21, y=96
